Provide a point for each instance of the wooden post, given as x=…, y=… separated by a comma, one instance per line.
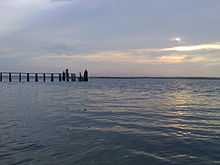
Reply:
x=73, y=77
x=9, y=77
x=28, y=77
x=80, y=76
x=60, y=77
x=19, y=77
x=85, y=76
x=1, y=77
x=36, y=77
x=44, y=77
x=67, y=75
x=52, y=77
x=63, y=77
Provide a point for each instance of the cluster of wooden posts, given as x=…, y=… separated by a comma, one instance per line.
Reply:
x=64, y=76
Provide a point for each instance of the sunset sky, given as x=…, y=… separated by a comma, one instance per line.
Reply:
x=111, y=37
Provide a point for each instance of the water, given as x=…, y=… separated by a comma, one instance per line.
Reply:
x=110, y=122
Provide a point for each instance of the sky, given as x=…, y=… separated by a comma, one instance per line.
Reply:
x=111, y=37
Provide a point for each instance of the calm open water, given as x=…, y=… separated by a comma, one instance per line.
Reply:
x=110, y=122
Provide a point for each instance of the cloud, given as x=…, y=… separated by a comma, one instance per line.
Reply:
x=132, y=56
x=15, y=14
x=172, y=58
x=189, y=48
x=55, y=32
x=213, y=46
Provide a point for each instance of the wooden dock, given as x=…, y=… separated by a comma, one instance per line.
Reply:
x=64, y=76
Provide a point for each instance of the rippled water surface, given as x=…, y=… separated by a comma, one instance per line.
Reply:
x=110, y=122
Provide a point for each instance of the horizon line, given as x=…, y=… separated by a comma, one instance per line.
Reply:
x=155, y=77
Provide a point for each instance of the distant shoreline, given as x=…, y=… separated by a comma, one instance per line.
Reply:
x=190, y=78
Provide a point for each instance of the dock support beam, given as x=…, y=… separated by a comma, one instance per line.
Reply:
x=85, y=76
x=36, y=77
x=52, y=79
x=44, y=77
x=80, y=77
x=63, y=76
x=67, y=75
x=9, y=77
x=60, y=77
x=28, y=77
x=73, y=77
x=19, y=77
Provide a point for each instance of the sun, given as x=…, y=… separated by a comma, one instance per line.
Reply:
x=178, y=39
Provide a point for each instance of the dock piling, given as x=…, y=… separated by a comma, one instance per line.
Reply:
x=73, y=77
x=44, y=77
x=36, y=77
x=63, y=76
x=19, y=77
x=67, y=75
x=80, y=76
x=52, y=78
x=28, y=77
x=60, y=77
x=9, y=77
x=85, y=76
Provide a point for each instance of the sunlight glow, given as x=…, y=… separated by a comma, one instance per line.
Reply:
x=215, y=46
x=176, y=39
